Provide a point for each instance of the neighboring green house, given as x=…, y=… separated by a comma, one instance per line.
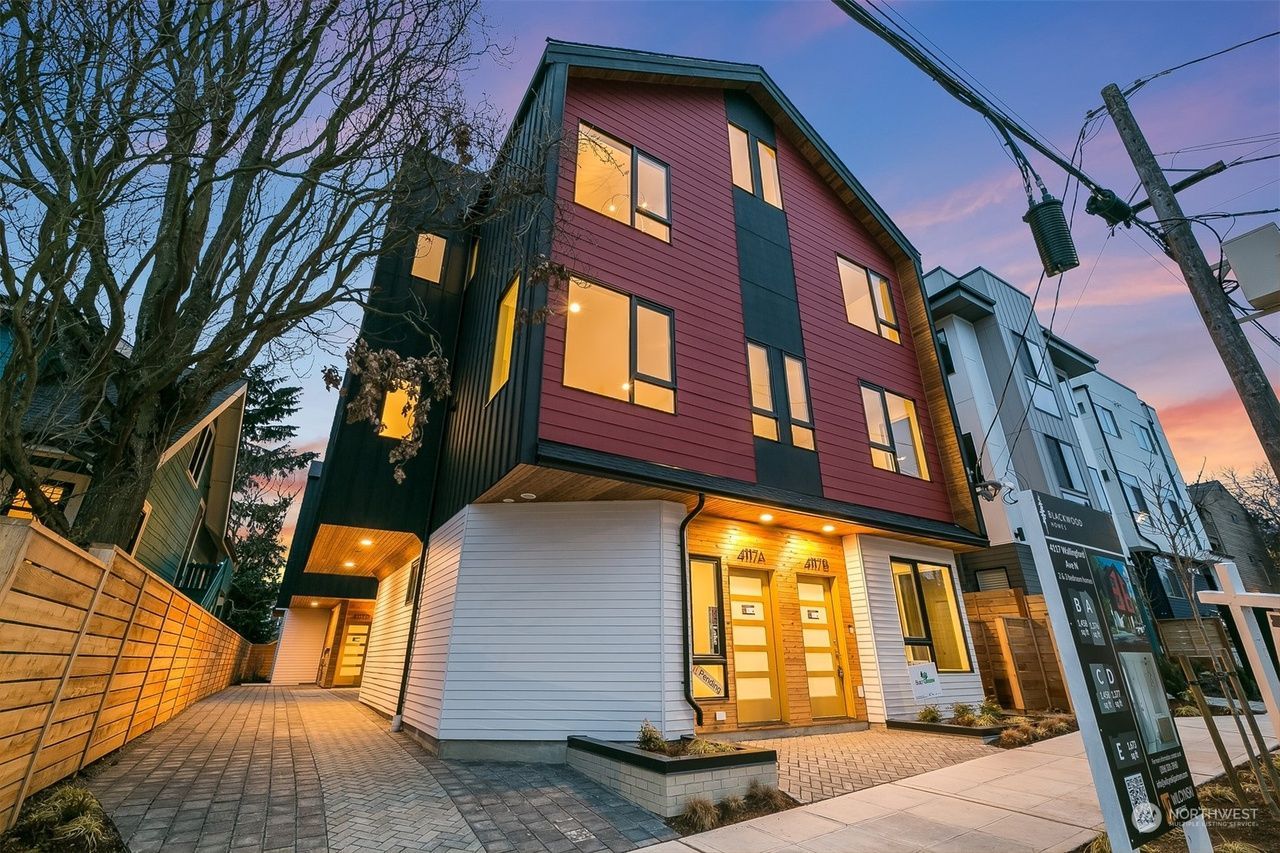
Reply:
x=182, y=532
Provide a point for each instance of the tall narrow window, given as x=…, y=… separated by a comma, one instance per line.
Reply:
x=1039, y=383
x=929, y=615
x=474, y=261
x=619, y=346
x=944, y=352
x=623, y=183
x=1062, y=457
x=740, y=157
x=894, y=432
x=199, y=456
x=770, y=190
x=707, y=628
x=397, y=413
x=1143, y=435
x=504, y=333
x=868, y=300
x=1137, y=498
x=428, y=257
x=1104, y=503
x=1107, y=420
x=798, y=402
x=764, y=420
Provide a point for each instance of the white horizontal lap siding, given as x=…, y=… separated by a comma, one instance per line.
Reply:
x=678, y=716
x=879, y=628
x=301, y=643
x=388, y=636
x=424, y=693
x=559, y=620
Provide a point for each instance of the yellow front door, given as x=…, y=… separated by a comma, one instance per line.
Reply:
x=754, y=661
x=821, y=648
x=351, y=662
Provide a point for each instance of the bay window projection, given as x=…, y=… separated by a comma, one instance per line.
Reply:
x=504, y=333
x=754, y=167
x=428, y=257
x=619, y=346
x=623, y=183
x=396, y=420
x=868, y=300
x=930, y=617
x=710, y=663
x=894, y=432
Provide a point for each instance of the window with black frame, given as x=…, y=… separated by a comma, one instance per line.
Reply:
x=623, y=183
x=1039, y=377
x=894, y=432
x=772, y=371
x=706, y=601
x=930, y=616
x=620, y=346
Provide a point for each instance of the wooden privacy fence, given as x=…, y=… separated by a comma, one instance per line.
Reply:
x=1015, y=650
x=94, y=651
x=259, y=662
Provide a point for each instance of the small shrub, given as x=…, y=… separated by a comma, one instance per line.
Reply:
x=88, y=832
x=1215, y=792
x=929, y=714
x=1100, y=844
x=990, y=720
x=1016, y=736
x=1238, y=847
x=962, y=709
x=1186, y=711
x=700, y=814
x=702, y=746
x=766, y=798
x=989, y=707
x=650, y=739
x=732, y=807
x=67, y=817
x=964, y=719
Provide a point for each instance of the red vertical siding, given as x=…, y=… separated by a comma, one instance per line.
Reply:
x=840, y=355
x=696, y=276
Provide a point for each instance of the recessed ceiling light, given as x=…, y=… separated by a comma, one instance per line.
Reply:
x=508, y=500
x=365, y=543
x=828, y=528
x=349, y=564
x=315, y=604
x=528, y=496
x=766, y=517
x=574, y=307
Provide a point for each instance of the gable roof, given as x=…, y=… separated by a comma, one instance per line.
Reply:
x=649, y=67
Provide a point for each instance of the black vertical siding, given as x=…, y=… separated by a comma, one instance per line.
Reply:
x=1014, y=557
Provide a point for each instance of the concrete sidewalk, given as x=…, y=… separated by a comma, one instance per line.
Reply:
x=1036, y=799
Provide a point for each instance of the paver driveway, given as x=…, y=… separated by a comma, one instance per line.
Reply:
x=269, y=768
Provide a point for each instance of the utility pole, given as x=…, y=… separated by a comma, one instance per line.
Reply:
x=1180, y=244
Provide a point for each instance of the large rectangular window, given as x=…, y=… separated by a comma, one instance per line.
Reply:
x=894, y=432
x=623, y=183
x=772, y=371
x=930, y=617
x=1144, y=437
x=1107, y=420
x=868, y=300
x=428, y=257
x=504, y=333
x=706, y=601
x=620, y=346
x=1066, y=468
x=755, y=167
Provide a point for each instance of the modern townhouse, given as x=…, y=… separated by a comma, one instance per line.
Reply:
x=1153, y=511
x=181, y=533
x=1234, y=535
x=1019, y=426
x=719, y=487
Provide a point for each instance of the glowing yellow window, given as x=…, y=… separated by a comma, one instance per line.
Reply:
x=428, y=257
x=397, y=413
x=740, y=157
x=20, y=507
x=603, y=178
x=503, y=336
x=764, y=421
x=894, y=433
x=770, y=190
x=798, y=403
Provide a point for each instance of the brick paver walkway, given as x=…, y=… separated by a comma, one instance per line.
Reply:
x=816, y=767
x=263, y=768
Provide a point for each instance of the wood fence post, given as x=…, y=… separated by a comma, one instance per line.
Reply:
x=62, y=685
x=1010, y=664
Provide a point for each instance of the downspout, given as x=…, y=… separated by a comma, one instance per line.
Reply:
x=687, y=600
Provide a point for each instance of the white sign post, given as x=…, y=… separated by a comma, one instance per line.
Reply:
x=1241, y=603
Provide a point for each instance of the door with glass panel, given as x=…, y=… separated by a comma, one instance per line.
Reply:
x=351, y=663
x=754, y=661
x=821, y=648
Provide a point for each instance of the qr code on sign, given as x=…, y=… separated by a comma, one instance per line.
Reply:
x=1137, y=790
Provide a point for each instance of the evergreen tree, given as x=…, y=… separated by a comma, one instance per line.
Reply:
x=261, y=501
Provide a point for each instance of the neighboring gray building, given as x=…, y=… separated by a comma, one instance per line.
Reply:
x=1008, y=380
x=1235, y=536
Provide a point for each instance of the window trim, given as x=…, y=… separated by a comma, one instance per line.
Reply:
x=772, y=412
x=892, y=450
x=185, y=563
x=633, y=371
x=754, y=168
x=881, y=322
x=203, y=453
x=927, y=640
x=141, y=529
x=723, y=658
x=636, y=210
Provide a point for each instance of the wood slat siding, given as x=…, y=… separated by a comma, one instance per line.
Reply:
x=696, y=275
x=879, y=630
x=388, y=636
x=94, y=651
x=1015, y=649
x=786, y=551
x=840, y=355
x=300, y=645
x=566, y=621
x=424, y=693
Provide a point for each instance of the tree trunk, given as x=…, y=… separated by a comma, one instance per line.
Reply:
x=122, y=472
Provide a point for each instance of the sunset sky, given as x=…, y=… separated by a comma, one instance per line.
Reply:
x=939, y=172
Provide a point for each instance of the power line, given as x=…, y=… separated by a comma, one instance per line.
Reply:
x=1142, y=81
x=1225, y=143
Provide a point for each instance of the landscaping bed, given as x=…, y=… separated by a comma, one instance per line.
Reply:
x=989, y=722
x=63, y=818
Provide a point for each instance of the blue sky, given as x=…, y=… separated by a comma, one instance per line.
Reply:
x=937, y=169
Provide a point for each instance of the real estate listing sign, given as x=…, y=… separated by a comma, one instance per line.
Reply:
x=1147, y=765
